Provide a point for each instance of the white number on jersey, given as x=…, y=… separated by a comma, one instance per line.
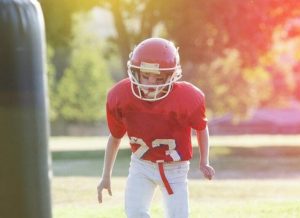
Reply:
x=156, y=143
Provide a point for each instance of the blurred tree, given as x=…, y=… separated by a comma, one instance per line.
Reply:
x=58, y=18
x=231, y=88
x=282, y=62
x=205, y=28
x=52, y=98
x=134, y=21
x=207, y=32
x=82, y=89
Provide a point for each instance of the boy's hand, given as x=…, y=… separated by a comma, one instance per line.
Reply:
x=104, y=184
x=207, y=171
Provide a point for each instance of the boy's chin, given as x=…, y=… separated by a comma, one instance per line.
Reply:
x=151, y=95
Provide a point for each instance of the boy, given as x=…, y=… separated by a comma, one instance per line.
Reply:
x=158, y=113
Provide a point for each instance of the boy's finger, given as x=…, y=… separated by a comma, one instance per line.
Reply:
x=209, y=176
x=99, y=197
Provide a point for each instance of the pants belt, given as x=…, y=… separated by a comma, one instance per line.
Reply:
x=160, y=164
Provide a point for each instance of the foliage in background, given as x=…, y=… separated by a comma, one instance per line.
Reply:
x=236, y=89
x=205, y=31
x=58, y=18
x=226, y=46
x=282, y=61
x=205, y=28
x=51, y=84
x=83, y=87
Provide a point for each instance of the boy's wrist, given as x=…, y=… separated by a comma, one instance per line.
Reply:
x=206, y=162
x=106, y=176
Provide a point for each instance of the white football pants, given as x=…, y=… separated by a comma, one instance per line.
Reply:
x=144, y=177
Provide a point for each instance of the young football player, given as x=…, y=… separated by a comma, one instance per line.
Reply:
x=158, y=114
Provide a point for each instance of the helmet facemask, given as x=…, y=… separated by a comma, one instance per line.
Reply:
x=156, y=91
x=155, y=56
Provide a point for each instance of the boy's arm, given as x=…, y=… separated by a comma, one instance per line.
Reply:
x=203, y=143
x=109, y=160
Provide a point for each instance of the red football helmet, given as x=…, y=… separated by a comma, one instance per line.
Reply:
x=157, y=56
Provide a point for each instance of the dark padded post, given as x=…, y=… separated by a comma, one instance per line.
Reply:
x=24, y=159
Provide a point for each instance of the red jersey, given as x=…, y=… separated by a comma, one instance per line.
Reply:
x=158, y=130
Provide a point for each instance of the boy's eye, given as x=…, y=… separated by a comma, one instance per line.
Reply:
x=144, y=76
x=157, y=78
x=160, y=79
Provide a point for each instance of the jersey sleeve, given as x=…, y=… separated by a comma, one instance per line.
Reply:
x=198, y=119
x=114, y=118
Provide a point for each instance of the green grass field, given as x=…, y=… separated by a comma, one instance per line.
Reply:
x=257, y=177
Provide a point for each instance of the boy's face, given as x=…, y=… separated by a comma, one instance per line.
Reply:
x=152, y=79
